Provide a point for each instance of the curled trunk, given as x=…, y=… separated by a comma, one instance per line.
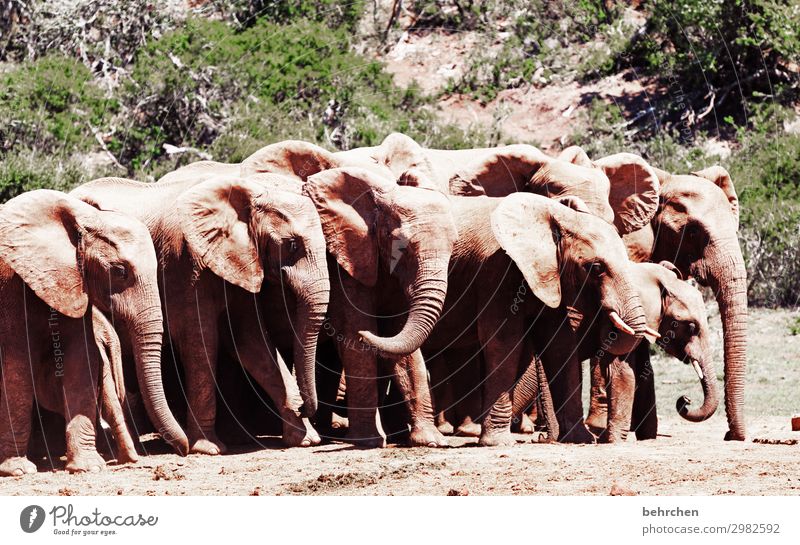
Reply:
x=426, y=296
x=146, y=340
x=710, y=398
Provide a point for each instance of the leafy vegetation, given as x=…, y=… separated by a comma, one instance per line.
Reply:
x=92, y=87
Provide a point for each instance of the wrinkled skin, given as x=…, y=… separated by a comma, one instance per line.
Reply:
x=44, y=320
x=695, y=227
x=621, y=189
x=227, y=249
x=508, y=248
x=676, y=310
x=112, y=390
x=389, y=247
x=388, y=250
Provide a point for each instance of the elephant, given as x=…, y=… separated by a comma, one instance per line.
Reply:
x=58, y=256
x=389, y=247
x=677, y=311
x=695, y=227
x=507, y=246
x=227, y=247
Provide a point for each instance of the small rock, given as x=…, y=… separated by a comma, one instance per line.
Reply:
x=617, y=490
x=454, y=492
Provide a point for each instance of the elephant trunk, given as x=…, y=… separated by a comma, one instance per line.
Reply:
x=727, y=276
x=147, y=336
x=708, y=379
x=312, y=305
x=426, y=295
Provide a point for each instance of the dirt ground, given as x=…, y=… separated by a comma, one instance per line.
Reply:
x=686, y=459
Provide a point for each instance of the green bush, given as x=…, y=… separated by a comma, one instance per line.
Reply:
x=51, y=103
x=29, y=170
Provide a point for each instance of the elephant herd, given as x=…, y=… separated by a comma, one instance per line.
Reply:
x=478, y=280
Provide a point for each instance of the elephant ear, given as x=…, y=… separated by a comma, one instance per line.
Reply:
x=523, y=225
x=721, y=178
x=576, y=156
x=215, y=217
x=499, y=172
x=634, y=190
x=290, y=157
x=346, y=200
x=41, y=236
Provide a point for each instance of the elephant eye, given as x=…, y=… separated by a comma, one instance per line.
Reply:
x=595, y=268
x=292, y=245
x=119, y=271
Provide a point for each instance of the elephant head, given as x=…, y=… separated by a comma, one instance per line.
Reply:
x=377, y=228
x=696, y=227
x=245, y=232
x=73, y=255
x=570, y=257
x=676, y=311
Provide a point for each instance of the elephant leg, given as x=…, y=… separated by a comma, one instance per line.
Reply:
x=621, y=391
x=329, y=381
x=597, y=419
x=112, y=410
x=564, y=373
x=80, y=390
x=502, y=351
x=412, y=380
x=441, y=394
x=198, y=349
x=16, y=405
x=468, y=382
x=360, y=362
x=532, y=389
x=645, y=418
x=258, y=356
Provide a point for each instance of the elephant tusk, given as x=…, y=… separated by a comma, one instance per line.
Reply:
x=697, y=369
x=652, y=332
x=620, y=324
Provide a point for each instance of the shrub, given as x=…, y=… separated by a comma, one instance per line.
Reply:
x=51, y=104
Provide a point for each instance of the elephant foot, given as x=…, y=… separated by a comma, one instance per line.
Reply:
x=305, y=436
x=426, y=436
x=86, y=462
x=523, y=424
x=597, y=422
x=497, y=439
x=468, y=428
x=339, y=422
x=577, y=433
x=127, y=456
x=731, y=435
x=365, y=440
x=17, y=467
x=208, y=444
x=445, y=428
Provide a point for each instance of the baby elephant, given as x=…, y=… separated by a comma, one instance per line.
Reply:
x=623, y=387
x=58, y=256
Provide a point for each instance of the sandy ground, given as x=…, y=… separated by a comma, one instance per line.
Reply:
x=686, y=459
